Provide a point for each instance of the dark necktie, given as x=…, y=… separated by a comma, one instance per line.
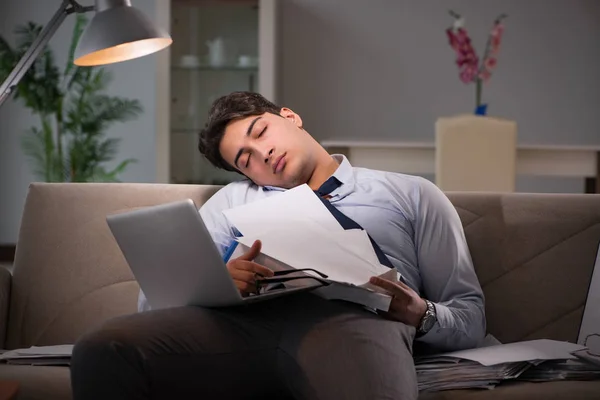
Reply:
x=346, y=222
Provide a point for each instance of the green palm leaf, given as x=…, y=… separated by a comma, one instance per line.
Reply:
x=33, y=146
x=70, y=144
x=80, y=23
x=101, y=175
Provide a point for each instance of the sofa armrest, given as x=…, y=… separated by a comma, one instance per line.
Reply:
x=5, y=286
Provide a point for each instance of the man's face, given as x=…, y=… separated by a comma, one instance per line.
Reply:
x=271, y=150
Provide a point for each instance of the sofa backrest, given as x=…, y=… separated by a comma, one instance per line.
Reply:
x=533, y=254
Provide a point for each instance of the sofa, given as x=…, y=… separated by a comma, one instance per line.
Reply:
x=533, y=254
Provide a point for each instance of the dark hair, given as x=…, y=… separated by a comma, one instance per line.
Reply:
x=224, y=110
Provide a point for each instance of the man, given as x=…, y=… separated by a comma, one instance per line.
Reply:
x=299, y=346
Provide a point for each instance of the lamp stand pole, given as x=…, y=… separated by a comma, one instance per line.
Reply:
x=67, y=7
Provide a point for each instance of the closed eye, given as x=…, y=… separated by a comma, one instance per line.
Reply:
x=258, y=137
x=249, y=153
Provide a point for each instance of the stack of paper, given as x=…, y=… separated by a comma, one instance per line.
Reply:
x=486, y=367
x=44, y=355
x=562, y=370
x=296, y=229
x=464, y=374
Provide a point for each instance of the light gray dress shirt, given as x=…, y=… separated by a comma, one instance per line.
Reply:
x=413, y=223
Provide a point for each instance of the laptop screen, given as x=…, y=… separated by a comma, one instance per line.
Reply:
x=589, y=331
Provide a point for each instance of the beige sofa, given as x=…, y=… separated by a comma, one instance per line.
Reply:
x=533, y=254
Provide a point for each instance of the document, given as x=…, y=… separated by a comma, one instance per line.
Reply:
x=294, y=205
x=39, y=355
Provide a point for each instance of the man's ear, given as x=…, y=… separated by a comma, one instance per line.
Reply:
x=291, y=116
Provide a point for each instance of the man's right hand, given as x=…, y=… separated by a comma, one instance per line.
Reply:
x=244, y=270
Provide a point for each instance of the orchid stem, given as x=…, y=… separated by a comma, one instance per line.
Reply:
x=478, y=84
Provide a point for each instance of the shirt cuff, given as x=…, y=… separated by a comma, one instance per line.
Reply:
x=436, y=330
x=445, y=335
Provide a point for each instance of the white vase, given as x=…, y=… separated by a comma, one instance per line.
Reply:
x=475, y=153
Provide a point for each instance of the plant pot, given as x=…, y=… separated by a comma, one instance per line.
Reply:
x=481, y=109
x=475, y=153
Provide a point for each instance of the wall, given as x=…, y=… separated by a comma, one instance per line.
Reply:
x=382, y=70
x=133, y=79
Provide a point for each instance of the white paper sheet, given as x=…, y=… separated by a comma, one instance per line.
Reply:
x=543, y=349
x=355, y=241
x=293, y=205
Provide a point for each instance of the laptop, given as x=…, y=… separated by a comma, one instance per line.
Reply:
x=174, y=259
x=589, y=329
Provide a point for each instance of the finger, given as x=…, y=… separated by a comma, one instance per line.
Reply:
x=242, y=276
x=245, y=287
x=252, y=253
x=253, y=267
x=404, y=286
x=385, y=284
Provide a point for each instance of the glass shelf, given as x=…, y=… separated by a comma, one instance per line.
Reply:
x=211, y=68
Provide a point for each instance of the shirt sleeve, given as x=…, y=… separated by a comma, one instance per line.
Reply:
x=211, y=212
x=219, y=228
x=447, y=273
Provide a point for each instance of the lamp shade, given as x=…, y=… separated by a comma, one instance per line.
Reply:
x=118, y=32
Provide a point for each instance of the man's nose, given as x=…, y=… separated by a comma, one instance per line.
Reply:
x=268, y=153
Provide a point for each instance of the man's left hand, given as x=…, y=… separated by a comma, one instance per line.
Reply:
x=406, y=306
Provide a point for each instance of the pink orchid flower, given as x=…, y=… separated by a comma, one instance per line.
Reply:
x=490, y=63
x=467, y=60
x=485, y=75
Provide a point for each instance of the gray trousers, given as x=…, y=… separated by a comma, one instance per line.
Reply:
x=300, y=346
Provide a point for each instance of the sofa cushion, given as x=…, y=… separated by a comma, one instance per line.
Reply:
x=566, y=390
x=39, y=383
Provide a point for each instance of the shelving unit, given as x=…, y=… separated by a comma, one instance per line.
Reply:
x=195, y=83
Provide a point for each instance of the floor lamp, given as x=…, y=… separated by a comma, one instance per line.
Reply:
x=118, y=32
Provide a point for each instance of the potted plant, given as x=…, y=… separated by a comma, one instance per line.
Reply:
x=70, y=143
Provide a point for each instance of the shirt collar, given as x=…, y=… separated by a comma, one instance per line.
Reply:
x=344, y=173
